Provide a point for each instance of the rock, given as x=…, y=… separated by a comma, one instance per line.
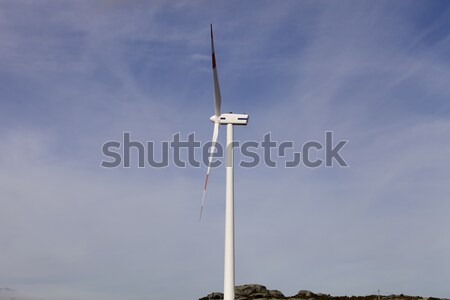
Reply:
x=322, y=295
x=251, y=291
x=248, y=292
x=305, y=294
x=213, y=296
x=257, y=291
x=276, y=294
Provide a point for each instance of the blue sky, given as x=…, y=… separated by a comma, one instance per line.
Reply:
x=74, y=75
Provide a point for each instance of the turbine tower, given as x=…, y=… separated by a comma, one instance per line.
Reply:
x=228, y=119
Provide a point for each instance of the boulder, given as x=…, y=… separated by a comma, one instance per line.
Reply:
x=248, y=292
x=213, y=296
x=250, y=289
x=305, y=294
x=276, y=294
x=322, y=295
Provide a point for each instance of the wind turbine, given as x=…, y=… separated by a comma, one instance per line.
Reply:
x=228, y=119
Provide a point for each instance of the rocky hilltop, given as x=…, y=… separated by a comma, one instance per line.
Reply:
x=257, y=291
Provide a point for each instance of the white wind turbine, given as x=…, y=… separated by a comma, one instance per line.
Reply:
x=228, y=119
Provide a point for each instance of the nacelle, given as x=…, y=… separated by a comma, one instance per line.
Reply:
x=230, y=118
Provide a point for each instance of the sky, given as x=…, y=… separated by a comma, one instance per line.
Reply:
x=76, y=74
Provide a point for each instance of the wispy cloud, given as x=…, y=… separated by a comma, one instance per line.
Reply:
x=74, y=75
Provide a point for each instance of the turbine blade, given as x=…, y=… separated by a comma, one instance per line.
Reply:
x=213, y=147
x=217, y=97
